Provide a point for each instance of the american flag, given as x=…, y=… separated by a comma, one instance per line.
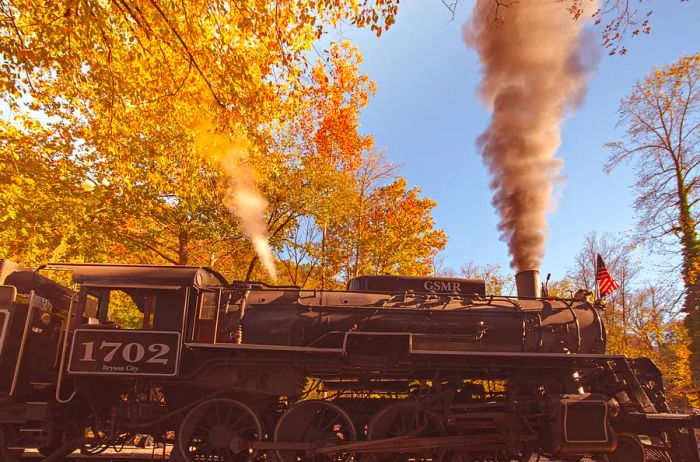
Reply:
x=606, y=283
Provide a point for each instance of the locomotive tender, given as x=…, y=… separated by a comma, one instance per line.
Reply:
x=393, y=368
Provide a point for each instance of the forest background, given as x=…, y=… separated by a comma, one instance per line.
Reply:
x=104, y=108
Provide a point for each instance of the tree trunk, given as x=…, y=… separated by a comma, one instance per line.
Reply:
x=623, y=295
x=690, y=248
x=359, y=233
x=691, y=266
x=323, y=258
x=182, y=248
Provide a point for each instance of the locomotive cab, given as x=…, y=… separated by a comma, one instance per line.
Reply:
x=165, y=307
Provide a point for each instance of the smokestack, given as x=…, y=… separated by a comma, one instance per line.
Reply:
x=528, y=283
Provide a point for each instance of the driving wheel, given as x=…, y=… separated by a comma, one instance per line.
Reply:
x=406, y=420
x=319, y=422
x=219, y=430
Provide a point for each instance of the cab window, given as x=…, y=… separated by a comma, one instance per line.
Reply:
x=124, y=311
x=207, y=311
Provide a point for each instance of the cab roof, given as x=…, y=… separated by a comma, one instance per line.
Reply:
x=109, y=275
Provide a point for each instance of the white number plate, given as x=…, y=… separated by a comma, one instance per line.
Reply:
x=124, y=352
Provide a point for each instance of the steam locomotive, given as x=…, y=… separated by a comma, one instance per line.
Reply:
x=391, y=369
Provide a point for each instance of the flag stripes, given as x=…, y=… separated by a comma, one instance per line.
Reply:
x=606, y=283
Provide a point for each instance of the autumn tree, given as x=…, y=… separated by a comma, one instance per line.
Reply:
x=46, y=199
x=153, y=197
x=655, y=329
x=497, y=281
x=500, y=282
x=238, y=52
x=440, y=268
x=106, y=99
x=642, y=318
x=324, y=144
x=661, y=119
x=351, y=196
x=404, y=238
x=106, y=102
x=374, y=171
x=561, y=288
x=123, y=82
x=616, y=253
x=378, y=227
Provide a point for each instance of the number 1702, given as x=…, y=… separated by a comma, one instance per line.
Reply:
x=130, y=352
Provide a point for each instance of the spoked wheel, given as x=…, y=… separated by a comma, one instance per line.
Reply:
x=8, y=435
x=629, y=449
x=406, y=419
x=218, y=430
x=319, y=422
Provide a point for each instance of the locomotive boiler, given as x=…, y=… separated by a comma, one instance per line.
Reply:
x=393, y=368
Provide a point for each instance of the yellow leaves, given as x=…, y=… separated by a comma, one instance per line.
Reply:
x=391, y=229
x=648, y=325
x=669, y=81
x=115, y=168
x=331, y=107
x=242, y=194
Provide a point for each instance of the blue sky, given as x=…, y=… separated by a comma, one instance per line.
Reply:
x=426, y=115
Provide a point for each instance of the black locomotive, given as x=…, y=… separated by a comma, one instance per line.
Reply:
x=394, y=368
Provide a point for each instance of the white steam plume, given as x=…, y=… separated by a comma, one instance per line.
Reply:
x=242, y=194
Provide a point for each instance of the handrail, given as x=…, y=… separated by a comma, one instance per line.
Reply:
x=63, y=357
x=27, y=323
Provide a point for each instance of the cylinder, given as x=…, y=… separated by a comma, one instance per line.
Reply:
x=528, y=283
